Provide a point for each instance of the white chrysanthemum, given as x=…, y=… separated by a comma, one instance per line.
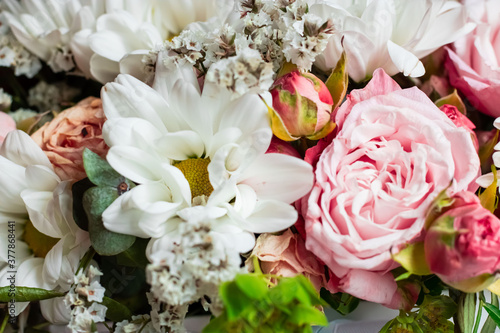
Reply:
x=189, y=150
x=48, y=244
x=123, y=38
x=391, y=34
x=47, y=28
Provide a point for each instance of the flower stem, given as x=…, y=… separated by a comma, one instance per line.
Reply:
x=4, y=322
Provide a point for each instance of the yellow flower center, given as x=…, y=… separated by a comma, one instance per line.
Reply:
x=196, y=173
x=39, y=243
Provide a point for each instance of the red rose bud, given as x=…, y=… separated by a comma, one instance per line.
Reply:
x=302, y=107
x=460, y=120
x=462, y=245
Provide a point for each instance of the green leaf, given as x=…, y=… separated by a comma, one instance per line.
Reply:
x=490, y=325
x=105, y=242
x=116, y=311
x=134, y=256
x=487, y=149
x=234, y=299
x=412, y=258
x=467, y=311
x=253, y=286
x=27, y=294
x=303, y=314
x=337, y=81
x=494, y=312
x=343, y=303
x=79, y=214
x=99, y=171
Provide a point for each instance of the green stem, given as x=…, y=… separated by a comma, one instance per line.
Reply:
x=4, y=322
x=478, y=316
x=256, y=265
x=109, y=328
x=86, y=260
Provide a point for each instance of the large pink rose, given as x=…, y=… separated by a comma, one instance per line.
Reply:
x=462, y=246
x=394, y=152
x=473, y=66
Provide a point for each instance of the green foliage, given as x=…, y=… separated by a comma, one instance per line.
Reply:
x=116, y=311
x=109, y=186
x=291, y=305
x=26, y=294
x=493, y=311
x=341, y=302
x=431, y=317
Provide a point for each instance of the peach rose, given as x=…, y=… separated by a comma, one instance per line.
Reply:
x=286, y=255
x=67, y=135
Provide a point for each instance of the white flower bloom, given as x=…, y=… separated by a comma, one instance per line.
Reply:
x=49, y=246
x=124, y=37
x=5, y=100
x=46, y=28
x=391, y=34
x=184, y=148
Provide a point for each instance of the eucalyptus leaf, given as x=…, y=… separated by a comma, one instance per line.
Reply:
x=99, y=171
x=78, y=189
x=134, y=256
x=105, y=242
x=26, y=294
x=116, y=311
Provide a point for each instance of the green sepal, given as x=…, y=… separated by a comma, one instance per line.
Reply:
x=488, y=197
x=105, y=242
x=412, y=258
x=27, y=294
x=343, y=303
x=452, y=99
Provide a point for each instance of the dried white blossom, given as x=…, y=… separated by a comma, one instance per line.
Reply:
x=45, y=96
x=141, y=323
x=5, y=100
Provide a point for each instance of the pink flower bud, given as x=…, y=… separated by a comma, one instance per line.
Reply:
x=462, y=245
x=302, y=107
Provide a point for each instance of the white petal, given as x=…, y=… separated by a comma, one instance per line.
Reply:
x=21, y=149
x=279, y=177
x=37, y=203
x=405, y=61
x=55, y=311
x=270, y=216
x=41, y=178
x=180, y=145
x=103, y=69
x=134, y=163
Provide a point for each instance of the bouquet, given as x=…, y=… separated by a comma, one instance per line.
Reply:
x=254, y=160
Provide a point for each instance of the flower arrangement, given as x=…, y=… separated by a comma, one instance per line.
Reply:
x=255, y=160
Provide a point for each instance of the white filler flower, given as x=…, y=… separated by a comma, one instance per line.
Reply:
x=195, y=152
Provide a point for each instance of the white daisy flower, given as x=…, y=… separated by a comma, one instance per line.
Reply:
x=195, y=152
x=48, y=245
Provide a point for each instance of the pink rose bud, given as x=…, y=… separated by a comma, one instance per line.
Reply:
x=302, y=107
x=278, y=146
x=462, y=245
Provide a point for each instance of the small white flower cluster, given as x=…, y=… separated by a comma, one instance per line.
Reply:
x=14, y=54
x=244, y=73
x=141, y=323
x=287, y=27
x=45, y=96
x=85, y=290
x=243, y=57
x=190, y=266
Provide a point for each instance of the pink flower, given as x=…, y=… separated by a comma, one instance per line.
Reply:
x=394, y=152
x=67, y=135
x=474, y=64
x=302, y=107
x=7, y=124
x=460, y=120
x=286, y=255
x=282, y=147
x=462, y=246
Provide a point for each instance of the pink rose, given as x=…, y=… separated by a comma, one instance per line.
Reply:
x=7, y=124
x=473, y=66
x=67, y=135
x=302, y=107
x=286, y=255
x=394, y=152
x=462, y=245
x=461, y=120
